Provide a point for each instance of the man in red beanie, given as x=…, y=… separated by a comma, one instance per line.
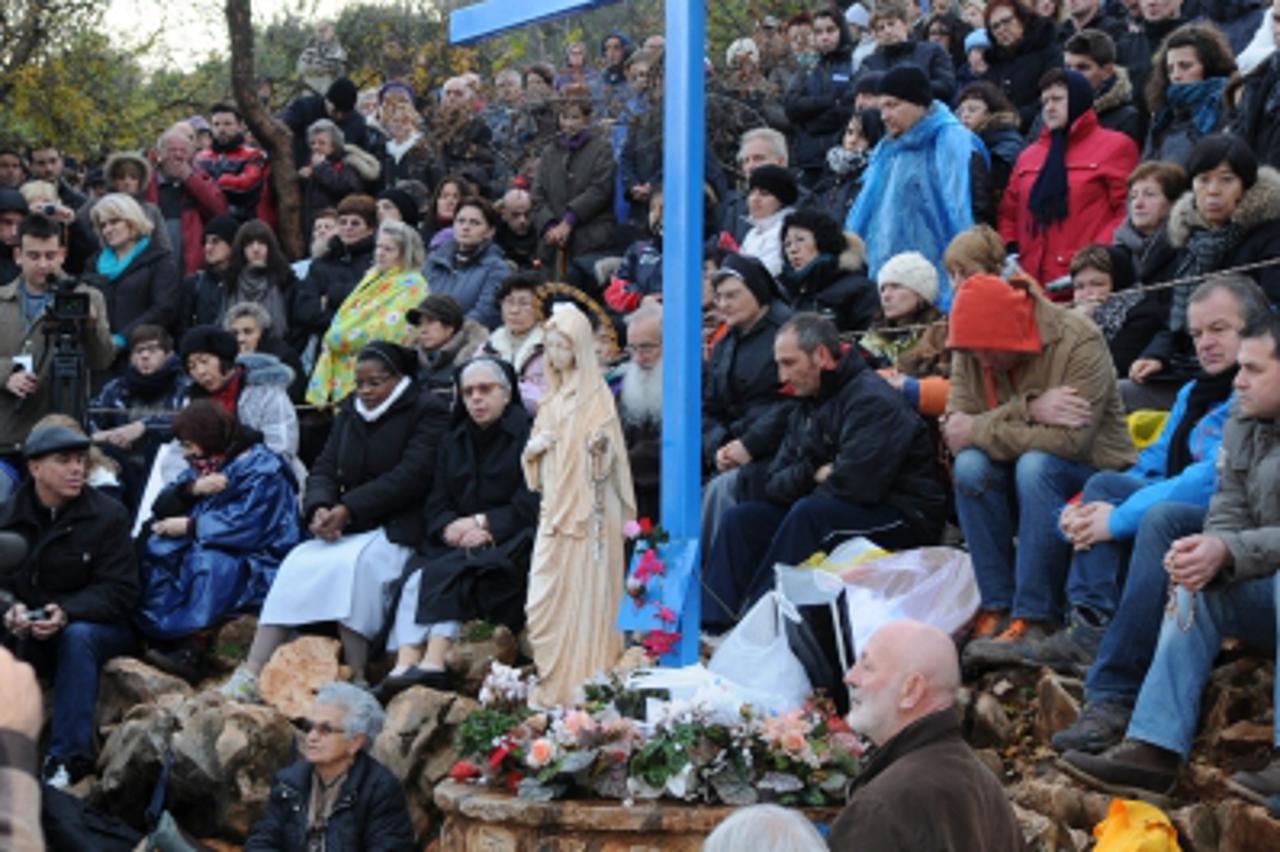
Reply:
x=1033, y=411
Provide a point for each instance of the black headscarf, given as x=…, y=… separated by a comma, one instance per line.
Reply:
x=1048, y=199
x=397, y=359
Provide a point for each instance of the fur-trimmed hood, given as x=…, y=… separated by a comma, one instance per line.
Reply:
x=118, y=159
x=1260, y=204
x=365, y=164
x=263, y=369
x=1120, y=94
x=854, y=256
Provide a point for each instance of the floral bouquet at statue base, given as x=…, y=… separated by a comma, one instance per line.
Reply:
x=682, y=751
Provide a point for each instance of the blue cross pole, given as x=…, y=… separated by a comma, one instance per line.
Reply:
x=684, y=120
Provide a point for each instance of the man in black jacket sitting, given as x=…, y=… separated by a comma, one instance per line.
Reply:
x=856, y=460
x=74, y=590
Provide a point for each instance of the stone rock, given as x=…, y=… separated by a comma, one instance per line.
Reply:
x=470, y=660
x=295, y=671
x=230, y=644
x=1056, y=708
x=224, y=757
x=413, y=718
x=1043, y=834
x=1237, y=691
x=1245, y=735
x=991, y=760
x=1199, y=823
x=125, y=683
x=991, y=725
x=1057, y=798
x=1246, y=828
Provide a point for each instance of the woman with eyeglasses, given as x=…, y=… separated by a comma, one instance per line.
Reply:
x=481, y=516
x=337, y=797
x=518, y=341
x=1024, y=47
x=363, y=504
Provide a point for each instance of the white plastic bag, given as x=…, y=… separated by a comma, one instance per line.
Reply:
x=757, y=657
x=935, y=585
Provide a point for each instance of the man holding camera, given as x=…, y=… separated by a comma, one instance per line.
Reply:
x=26, y=353
x=74, y=590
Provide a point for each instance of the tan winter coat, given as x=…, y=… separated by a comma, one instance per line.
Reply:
x=1075, y=354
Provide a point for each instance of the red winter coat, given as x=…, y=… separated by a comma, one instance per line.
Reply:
x=1098, y=166
x=201, y=201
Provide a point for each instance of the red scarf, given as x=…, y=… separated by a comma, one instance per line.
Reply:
x=227, y=395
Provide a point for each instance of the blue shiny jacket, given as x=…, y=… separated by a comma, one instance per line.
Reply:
x=1193, y=485
x=227, y=564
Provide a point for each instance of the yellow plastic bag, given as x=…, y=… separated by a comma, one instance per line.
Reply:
x=1133, y=826
x=1145, y=425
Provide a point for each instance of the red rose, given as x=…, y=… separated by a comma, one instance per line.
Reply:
x=646, y=526
x=464, y=770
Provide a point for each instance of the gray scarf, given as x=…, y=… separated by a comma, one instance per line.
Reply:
x=255, y=286
x=1206, y=247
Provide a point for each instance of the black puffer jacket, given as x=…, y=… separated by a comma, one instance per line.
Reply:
x=741, y=394
x=83, y=561
x=148, y=291
x=1017, y=70
x=1257, y=118
x=879, y=448
x=837, y=288
x=818, y=104
x=330, y=281
x=381, y=471
x=371, y=814
x=930, y=58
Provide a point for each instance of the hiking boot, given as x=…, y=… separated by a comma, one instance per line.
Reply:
x=1258, y=786
x=1132, y=770
x=63, y=772
x=242, y=686
x=1100, y=725
x=987, y=623
x=1004, y=649
x=1070, y=650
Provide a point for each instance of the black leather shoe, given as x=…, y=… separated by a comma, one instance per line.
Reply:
x=1133, y=769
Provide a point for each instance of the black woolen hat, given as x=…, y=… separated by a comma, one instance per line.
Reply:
x=396, y=358
x=210, y=339
x=751, y=272
x=907, y=83
x=342, y=94
x=776, y=181
x=223, y=227
x=11, y=201
x=404, y=203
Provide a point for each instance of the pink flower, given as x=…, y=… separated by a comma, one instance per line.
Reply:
x=578, y=722
x=666, y=614
x=631, y=529
x=658, y=643
x=650, y=565
x=541, y=752
x=793, y=742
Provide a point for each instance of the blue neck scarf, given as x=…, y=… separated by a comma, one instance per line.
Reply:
x=1203, y=100
x=111, y=266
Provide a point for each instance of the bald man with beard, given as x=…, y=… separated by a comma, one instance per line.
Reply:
x=922, y=787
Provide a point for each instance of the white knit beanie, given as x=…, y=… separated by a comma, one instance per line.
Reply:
x=912, y=270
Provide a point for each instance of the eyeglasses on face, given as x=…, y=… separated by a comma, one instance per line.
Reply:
x=324, y=729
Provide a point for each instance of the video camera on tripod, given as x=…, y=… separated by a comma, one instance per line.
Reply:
x=63, y=323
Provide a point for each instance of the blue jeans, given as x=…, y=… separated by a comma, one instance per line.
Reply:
x=74, y=657
x=1130, y=640
x=1169, y=703
x=989, y=495
x=756, y=535
x=1094, y=576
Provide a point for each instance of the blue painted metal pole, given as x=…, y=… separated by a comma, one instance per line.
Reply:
x=684, y=121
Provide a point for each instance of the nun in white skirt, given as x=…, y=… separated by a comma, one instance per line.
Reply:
x=364, y=503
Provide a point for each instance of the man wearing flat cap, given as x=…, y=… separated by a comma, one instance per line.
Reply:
x=74, y=590
x=916, y=194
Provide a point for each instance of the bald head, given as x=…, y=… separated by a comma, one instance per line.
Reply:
x=906, y=671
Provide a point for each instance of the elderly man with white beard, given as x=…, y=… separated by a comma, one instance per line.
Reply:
x=640, y=405
x=922, y=787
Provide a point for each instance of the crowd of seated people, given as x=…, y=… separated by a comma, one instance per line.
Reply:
x=946, y=258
